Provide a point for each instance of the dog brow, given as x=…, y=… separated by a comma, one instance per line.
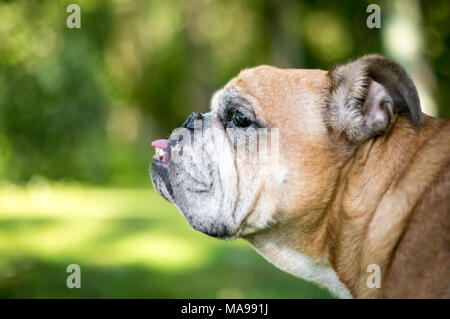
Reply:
x=225, y=99
x=215, y=100
x=229, y=99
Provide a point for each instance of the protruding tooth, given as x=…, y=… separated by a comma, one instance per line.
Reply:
x=159, y=153
x=157, y=149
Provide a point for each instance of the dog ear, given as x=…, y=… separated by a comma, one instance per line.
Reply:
x=365, y=94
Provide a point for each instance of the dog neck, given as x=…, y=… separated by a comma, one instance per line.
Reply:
x=299, y=254
x=372, y=203
x=337, y=247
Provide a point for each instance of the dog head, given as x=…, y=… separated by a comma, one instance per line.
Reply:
x=274, y=141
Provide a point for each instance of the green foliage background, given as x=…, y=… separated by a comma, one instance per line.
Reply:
x=78, y=108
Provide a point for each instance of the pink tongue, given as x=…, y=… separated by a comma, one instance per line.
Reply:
x=162, y=144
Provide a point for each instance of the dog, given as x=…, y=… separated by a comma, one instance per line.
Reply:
x=360, y=179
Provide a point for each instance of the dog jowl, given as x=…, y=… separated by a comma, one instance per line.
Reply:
x=193, y=170
x=324, y=173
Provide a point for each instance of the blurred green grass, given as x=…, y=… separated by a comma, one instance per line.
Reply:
x=129, y=243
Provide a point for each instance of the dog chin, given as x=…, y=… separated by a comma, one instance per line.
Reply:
x=159, y=173
x=160, y=177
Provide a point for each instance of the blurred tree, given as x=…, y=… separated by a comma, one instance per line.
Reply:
x=52, y=108
x=83, y=103
x=404, y=42
x=436, y=28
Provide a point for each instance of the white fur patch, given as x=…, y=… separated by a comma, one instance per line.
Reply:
x=300, y=265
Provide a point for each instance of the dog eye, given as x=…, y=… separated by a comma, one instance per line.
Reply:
x=240, y=120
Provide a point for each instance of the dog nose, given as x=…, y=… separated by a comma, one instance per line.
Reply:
x=189, y=123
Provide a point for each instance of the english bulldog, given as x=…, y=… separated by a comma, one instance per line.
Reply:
x=330, y=175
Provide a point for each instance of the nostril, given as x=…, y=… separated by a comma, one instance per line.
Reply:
x=197, y=115
x=190, y=121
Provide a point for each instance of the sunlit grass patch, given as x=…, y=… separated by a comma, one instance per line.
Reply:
x=128, y=243
x=99, y=226
x=62, y=201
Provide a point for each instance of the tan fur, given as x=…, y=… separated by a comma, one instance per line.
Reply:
x=384, y=201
